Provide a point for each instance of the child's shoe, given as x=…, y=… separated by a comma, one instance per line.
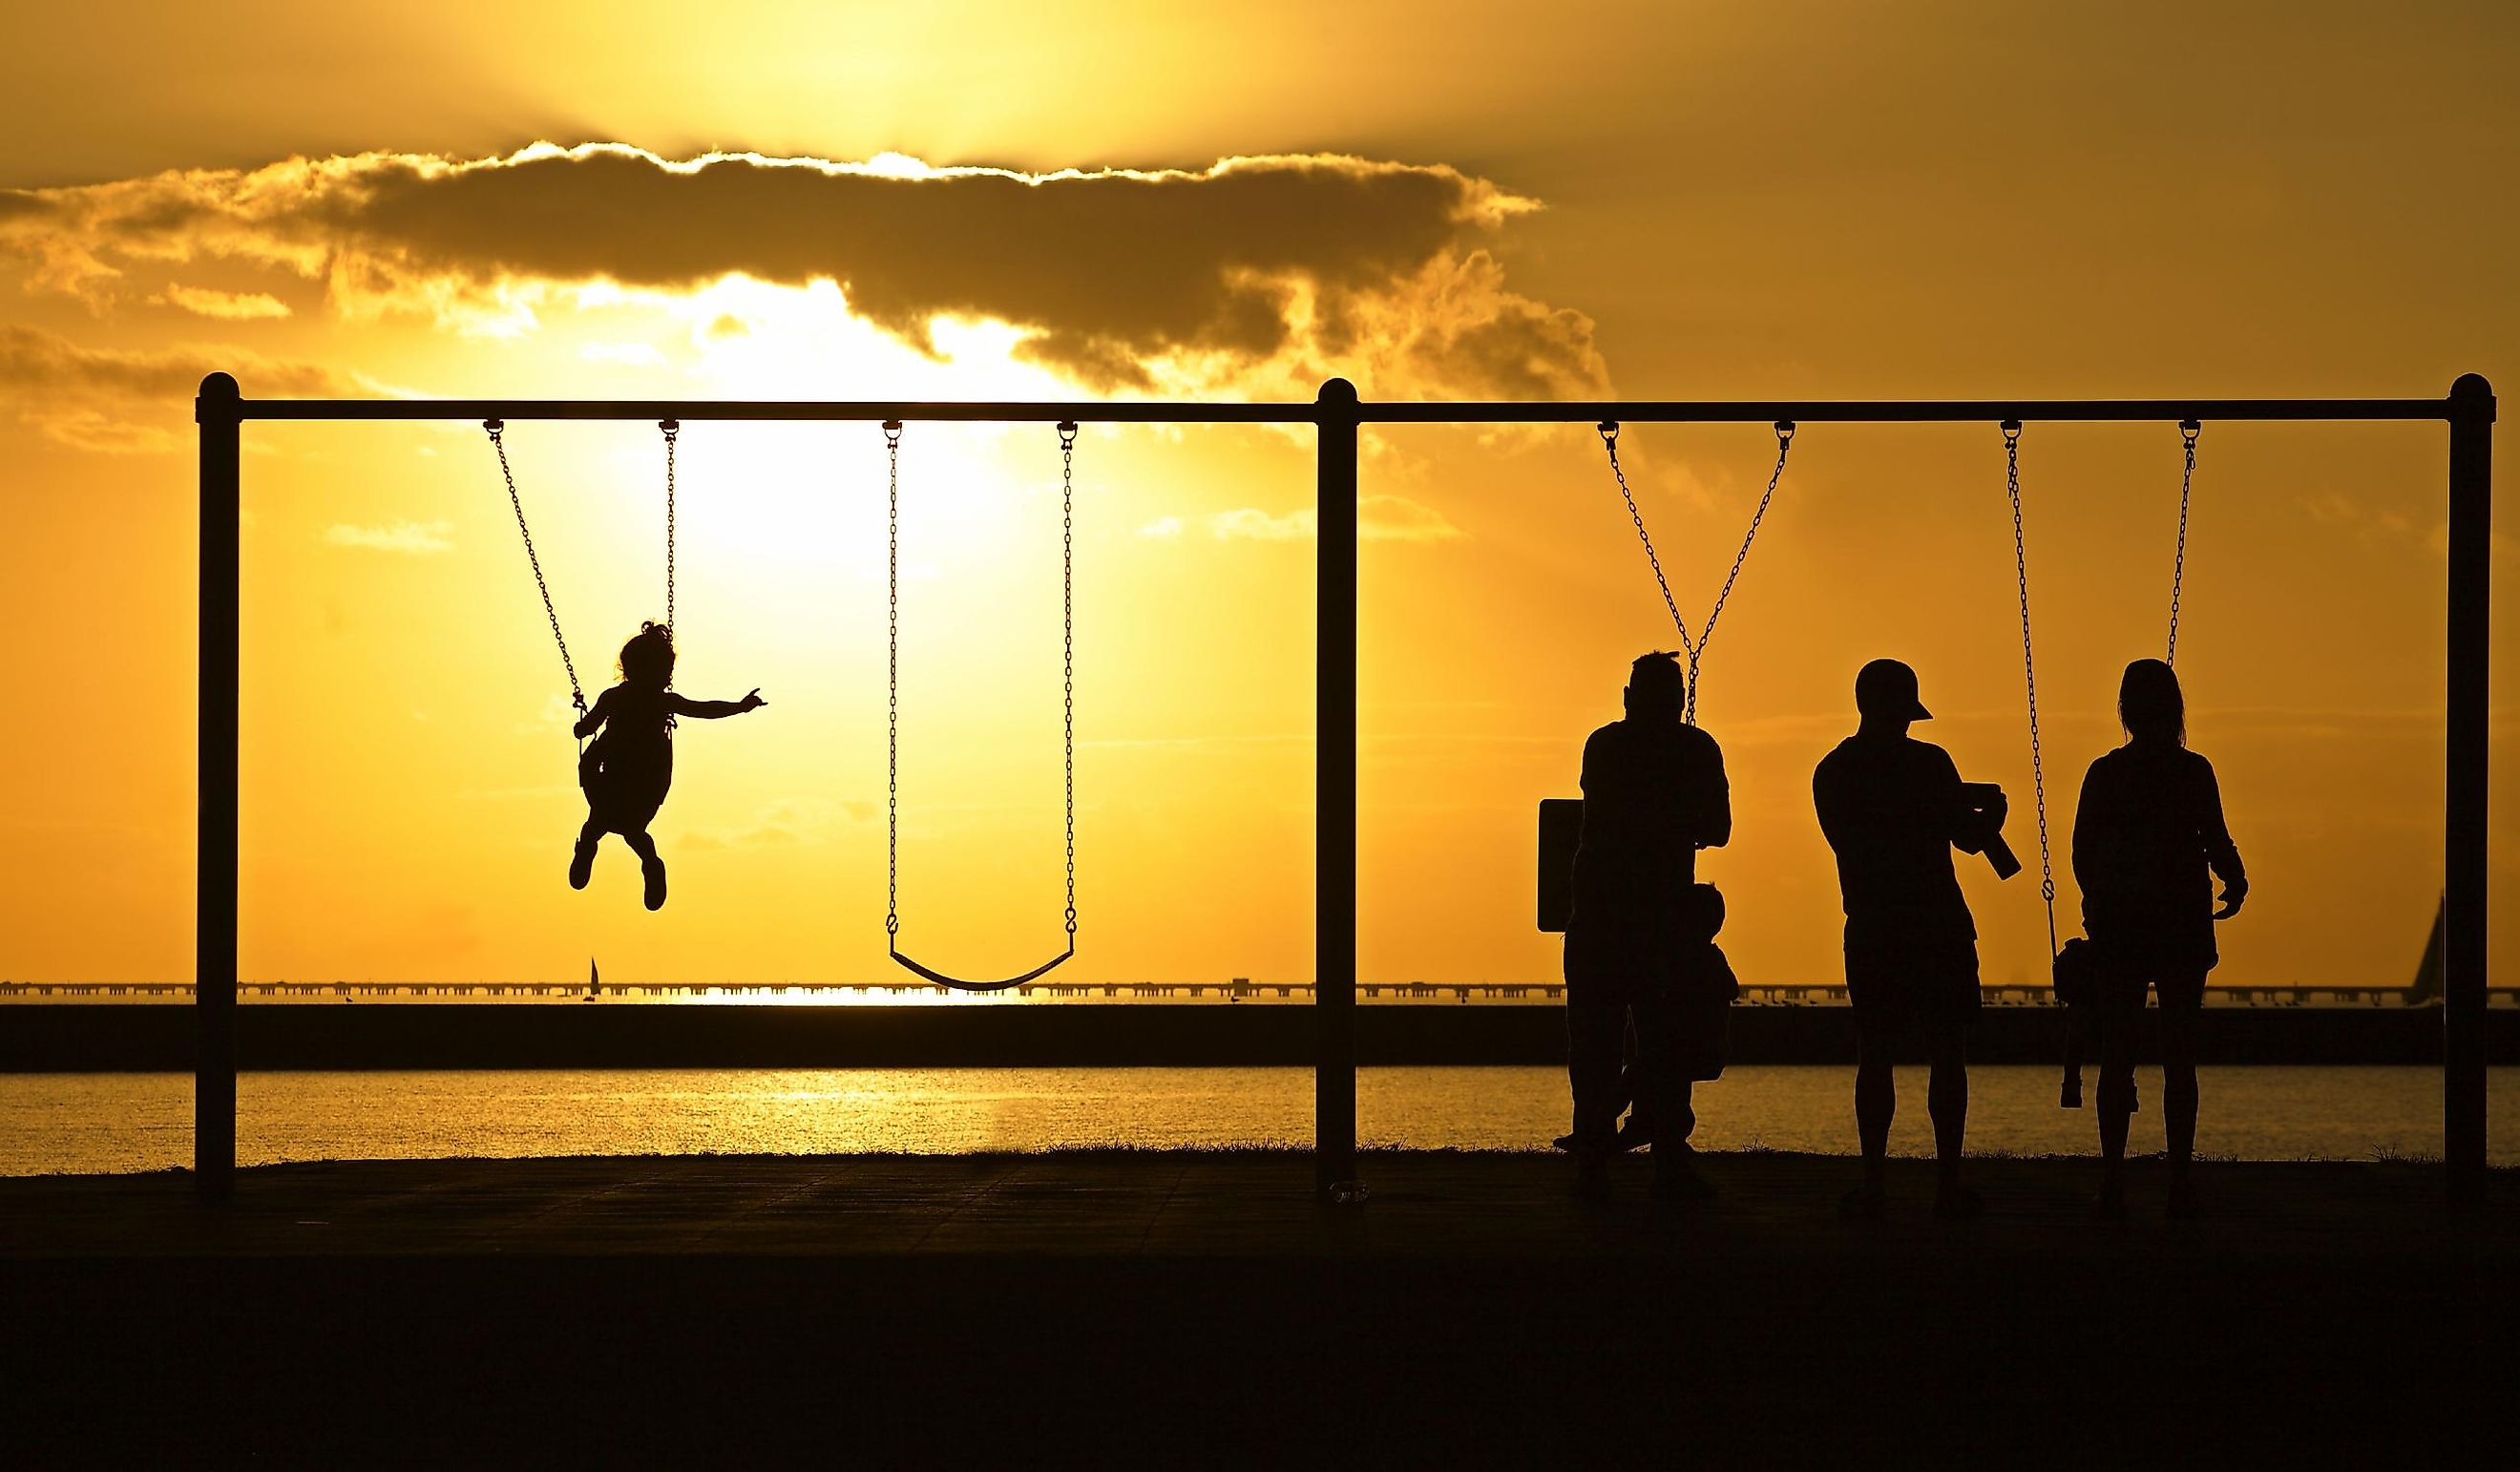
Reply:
x=581, y=864
x=654, y=869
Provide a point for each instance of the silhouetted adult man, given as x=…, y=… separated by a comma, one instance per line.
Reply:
x=1894, y=808
x=1653, y=795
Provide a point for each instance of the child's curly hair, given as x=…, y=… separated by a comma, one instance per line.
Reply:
x=648, y=657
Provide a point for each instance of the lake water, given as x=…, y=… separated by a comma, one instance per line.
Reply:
x=141, y=1122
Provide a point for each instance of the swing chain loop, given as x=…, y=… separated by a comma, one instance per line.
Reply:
x=1695, y=649
x=1067, y=646
x=673, y=430
x=2189, y=429
x=892, y=680
x=2028, y=673
x=1609, y=432
x=497, y=429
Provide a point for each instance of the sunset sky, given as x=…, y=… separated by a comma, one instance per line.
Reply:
x=964, y=200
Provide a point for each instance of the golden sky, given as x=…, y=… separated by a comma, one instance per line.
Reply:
x=973, y=201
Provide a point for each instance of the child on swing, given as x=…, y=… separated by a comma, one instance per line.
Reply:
x=625, y=771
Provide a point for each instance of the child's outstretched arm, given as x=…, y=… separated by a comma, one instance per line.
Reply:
x=588, y=721
x=711, y=710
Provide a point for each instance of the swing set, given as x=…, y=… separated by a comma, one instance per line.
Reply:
x=496, y=429
x=1337, y=416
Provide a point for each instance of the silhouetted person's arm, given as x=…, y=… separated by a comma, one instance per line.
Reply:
x=714, y=710
x=1832, y=811
x=1969, y=829
x=2089, y=828
x=587, y=723
x=2222, y=855
x=1711, y=801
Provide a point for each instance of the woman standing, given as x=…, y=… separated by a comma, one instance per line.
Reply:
x=2148, y=830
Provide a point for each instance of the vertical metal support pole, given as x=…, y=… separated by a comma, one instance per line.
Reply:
x=2463, y=896
x=1335, y=778
x=215, y=883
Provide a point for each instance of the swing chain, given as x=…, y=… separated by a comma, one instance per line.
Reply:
x=1608, y=429
x=892, y=699
x=2029, y=672
x=673, y=430
x=1706, y=634
x=1067, y=645
x=2187, y=433
x=892, y=680
x=1695, y=649
x=496, y=429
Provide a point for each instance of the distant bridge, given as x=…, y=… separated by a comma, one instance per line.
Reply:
x=1239, y=990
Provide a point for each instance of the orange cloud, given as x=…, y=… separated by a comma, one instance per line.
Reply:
x=409, y=538
x=1379, y=518
x=226, y=306
x=116, y=401
x=1252, y=272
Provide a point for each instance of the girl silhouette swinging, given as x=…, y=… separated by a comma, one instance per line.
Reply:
x=626, y=769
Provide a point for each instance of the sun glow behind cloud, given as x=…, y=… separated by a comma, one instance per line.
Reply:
x=1503, y=587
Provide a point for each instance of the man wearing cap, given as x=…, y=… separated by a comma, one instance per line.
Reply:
x=1894, y=808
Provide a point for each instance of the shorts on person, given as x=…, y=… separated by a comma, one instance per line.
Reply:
x=2128, y=963
x=1912, y=984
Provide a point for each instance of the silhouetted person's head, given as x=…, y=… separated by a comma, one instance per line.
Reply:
x=2149, y=705
x=1656, y=690
x=648, y=659
x=1885, y=695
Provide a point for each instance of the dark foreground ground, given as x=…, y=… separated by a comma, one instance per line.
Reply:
x=1181, y=1310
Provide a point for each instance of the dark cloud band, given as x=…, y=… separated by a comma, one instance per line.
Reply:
x=1311, y=264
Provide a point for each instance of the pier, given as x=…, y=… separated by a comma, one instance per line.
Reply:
x=1239, y=990
x=744, y=1027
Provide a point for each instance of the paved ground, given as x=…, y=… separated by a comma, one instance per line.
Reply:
x=1180, y=1203
x=1126, y=1308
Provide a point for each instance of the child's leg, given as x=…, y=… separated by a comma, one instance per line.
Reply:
x=581, y=861
x=650, y=866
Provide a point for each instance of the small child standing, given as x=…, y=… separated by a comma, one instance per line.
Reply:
x=1690, y=1028
x=626, y=769
x=1703, y=987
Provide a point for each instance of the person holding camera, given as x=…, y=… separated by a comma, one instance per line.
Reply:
x=2147, y=831
x=1893, y=809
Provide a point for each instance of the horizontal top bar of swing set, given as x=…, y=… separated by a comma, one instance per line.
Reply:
x=1184, y=412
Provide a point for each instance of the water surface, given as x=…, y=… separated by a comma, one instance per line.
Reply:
x=138, y=1121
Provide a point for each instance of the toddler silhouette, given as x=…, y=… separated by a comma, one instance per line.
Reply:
x=625, y=770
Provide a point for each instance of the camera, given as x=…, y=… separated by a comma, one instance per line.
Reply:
x=1986, y=799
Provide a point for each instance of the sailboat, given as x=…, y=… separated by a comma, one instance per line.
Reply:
x=2427, y=988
